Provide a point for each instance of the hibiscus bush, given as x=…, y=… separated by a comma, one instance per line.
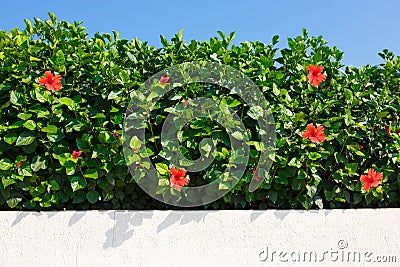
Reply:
x=63, y=98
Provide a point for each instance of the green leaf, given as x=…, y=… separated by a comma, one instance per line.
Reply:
x=92, y=196
x=10, y=138
x=349, y=95
x=30, y=125
x=237, y=135
x=77, y=183
x=25, y=138
x=256, y=112
x=66, y=101
x=369, y=197
x=318, y=202
x=273, y=195
x=54, y=185
x=162, y=168
x=5, y=164
x=135, y=142
x=91, y=173
x=14, y=201
x=7, y=181
x=60, y=59
x=79, y=197
x=52, y=129
x=24, y=116
x=38, y=163
x=314, y=155
x=114, y=94
x=351, y=167
x=295, y=162
x=25, y=171
x=328, y=195
x=16, y=98
x=41, y=95
x=105, y=137
x=99, y=116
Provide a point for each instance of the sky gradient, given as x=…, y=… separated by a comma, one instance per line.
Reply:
x=360, y=28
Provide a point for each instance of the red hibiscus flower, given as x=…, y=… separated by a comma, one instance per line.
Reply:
x=256, y=177
x=76, y=154
x=115, y=134
x=19, y=164
x=314, y=134
x=164, y=79
x=178, y=178
x=52, y=83
x=372, y=179
x=315, y=76
x=387, y=130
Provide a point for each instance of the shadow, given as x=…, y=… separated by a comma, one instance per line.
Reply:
x=183, y=217
x=255, y=214
x=76, y=217
x=123, y=228
x=51, y=214
x=23, y=214
x=20, y=216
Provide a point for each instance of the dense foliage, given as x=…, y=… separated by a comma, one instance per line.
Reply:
x=62, y=147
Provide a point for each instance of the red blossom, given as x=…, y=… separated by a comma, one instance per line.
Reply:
x=361, y=147
x=19, y=164
x=76, y=154
x=372, y=179
x=178, y=178
x=256, y=177
x=164, y=79
x=115, y=134
x=52, y=83
x=185, y=102
x=387, y=130
x=315, y=76
x=314, y=134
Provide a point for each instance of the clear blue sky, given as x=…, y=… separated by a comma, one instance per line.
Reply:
x=360, y=28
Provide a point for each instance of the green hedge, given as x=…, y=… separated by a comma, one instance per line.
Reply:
x=39, y=130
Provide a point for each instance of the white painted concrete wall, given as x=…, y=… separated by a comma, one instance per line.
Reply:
x=200, y=238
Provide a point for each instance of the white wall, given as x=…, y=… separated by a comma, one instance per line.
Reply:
x=186, y=238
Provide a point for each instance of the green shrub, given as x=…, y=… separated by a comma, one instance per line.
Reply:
x=40, y=129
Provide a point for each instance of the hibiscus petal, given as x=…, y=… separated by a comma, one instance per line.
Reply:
x=174, y=171
x=57, y=86
x=364, y=178
x=321, y=137
x=319, y=69
x=306, y=134
x=57, y=78
x=311, y=127
x=314, y=82
x=366, y=186
x=42, y=80
x=50, y=87
x=311, y=68
x=371, y=172
x=375, y=183
x=182, y=172
x=48, y=74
